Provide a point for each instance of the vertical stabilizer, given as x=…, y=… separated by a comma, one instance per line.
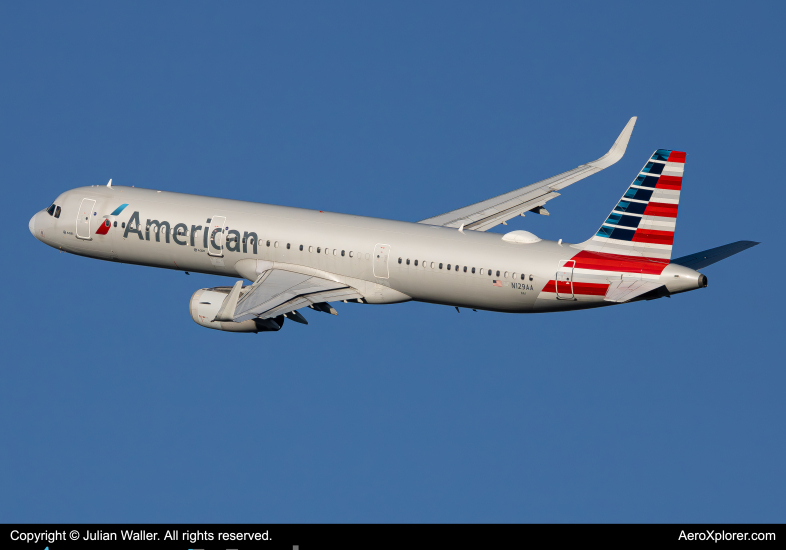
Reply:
x=643, y=222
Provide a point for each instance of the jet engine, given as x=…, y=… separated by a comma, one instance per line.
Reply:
x=206, y=302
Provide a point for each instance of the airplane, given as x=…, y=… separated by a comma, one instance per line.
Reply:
x=297, y=258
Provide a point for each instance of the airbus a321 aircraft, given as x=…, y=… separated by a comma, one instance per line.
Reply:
x=296, y=258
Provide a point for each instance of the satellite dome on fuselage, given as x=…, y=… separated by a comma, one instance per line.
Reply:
x=520, y=237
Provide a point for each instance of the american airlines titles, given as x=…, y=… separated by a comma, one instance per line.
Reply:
x=233, y=240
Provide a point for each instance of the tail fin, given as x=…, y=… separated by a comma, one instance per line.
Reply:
x=643, y=222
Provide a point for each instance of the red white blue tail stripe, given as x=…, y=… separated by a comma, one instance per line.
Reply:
x=643, y=222
x=634, y=243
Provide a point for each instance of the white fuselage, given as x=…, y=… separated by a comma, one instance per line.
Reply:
x=375, y=256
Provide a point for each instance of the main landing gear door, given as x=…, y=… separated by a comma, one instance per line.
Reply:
x=381, y=255
x=564, y=279
x=83, y=218
x=215, y=239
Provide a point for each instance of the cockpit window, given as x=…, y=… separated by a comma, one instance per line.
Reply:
x=51, y=210
x=57, y=212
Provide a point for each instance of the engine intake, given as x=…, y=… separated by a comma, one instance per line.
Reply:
x=206, y=302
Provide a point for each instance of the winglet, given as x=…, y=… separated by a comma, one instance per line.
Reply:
x=618, y=149
x=227, y=311
x=109, y=184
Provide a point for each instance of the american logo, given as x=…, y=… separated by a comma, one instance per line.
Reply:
x=103, y=229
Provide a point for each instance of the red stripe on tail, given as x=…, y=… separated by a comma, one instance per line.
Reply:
x=677, y=156
x=669, y=182
x=661, y=209
x=602, y=261
x=585, y=289
x=653, y=236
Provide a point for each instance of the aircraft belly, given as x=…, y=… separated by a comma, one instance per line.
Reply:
x=462, y=290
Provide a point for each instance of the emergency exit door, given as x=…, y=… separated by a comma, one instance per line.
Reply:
x=215, y=238
x=381, y=256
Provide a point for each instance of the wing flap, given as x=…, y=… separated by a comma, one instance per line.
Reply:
x=498, y=214
x=277, y=291
x=302, y=301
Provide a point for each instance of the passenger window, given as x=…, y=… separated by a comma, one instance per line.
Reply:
x=491, y=273
x=432, y=265
x=399, y=260
x=407, y=261
x=311, y=249
x=440, y=266
x=115, y=224
x=342, y=252
x=497, y=273
x=506, y=275
x=465, y=269
x=514, y=275
x=275, y=244
x=57, y=214
x=334, y=251
x=301, y=248
x=123, y=225
x=457, y=268
x=416, y=263
x=287, y=246
x=319, y=250
x=473, y=270
x=351, y=254
x=268, y=243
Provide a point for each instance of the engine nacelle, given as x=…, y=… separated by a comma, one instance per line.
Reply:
x=206, y=302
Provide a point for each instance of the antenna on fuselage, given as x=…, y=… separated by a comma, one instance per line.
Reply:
x=109, y=184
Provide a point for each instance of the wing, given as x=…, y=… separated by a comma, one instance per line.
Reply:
x=709, y=257
x=277, y=292
x=491, y=212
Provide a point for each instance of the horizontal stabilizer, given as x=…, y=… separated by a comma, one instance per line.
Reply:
x=709, y=257
x=625, y=290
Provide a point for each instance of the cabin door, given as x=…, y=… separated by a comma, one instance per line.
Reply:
x=83, y=218
x=564, y=279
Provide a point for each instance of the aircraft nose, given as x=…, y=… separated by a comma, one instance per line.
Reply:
x=31, y=225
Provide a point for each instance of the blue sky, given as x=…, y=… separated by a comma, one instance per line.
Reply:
x=115, y=406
